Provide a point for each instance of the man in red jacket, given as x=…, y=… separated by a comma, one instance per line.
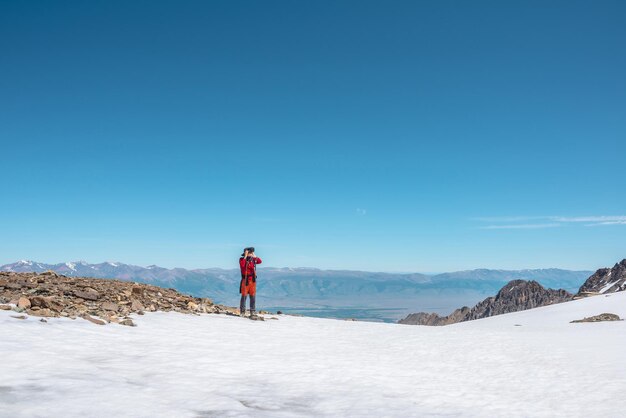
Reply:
x=247, y=263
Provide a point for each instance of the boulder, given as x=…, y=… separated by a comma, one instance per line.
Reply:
x=136, y=305
x=110, y=306
x=46, y=302
x=128, y=322
x=87, y=294
x=38, y=301
x=23, y=303
x=41, y=312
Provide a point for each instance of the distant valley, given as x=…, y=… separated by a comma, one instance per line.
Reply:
x=329, y=293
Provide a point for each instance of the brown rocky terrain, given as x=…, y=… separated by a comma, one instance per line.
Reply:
x=100, y=301
x=605, y=280
x=517, y=295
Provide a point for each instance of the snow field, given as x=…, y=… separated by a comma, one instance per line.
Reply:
x=526, y=364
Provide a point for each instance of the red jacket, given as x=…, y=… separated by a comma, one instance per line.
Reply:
x=247, y=267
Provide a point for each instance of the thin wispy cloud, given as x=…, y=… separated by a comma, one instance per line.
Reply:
x=522, y=222
x=521, y=226
x=607, y=223
x=498, y=219
x=600, y=220
x=361, y=211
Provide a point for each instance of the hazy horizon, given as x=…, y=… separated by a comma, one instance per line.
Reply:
x=265, y=265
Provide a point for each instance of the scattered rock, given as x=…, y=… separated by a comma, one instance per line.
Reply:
x=127, y=322
x=279, y=313
x=54, y=295
x=43, y=320
x=18, y=316
x=599, y=318
x=93, y=320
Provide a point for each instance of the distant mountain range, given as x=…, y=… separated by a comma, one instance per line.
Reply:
x=313, y=288
x=519, y=295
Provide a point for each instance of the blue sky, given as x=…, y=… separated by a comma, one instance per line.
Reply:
x=388, y=136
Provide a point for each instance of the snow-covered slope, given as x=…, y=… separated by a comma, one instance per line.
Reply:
x=525, y=364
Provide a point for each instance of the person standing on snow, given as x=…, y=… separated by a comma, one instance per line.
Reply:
x=247, y=263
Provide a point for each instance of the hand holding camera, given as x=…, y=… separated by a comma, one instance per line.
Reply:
x=249, y=252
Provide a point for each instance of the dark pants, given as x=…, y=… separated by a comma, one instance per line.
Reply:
x=242, y=303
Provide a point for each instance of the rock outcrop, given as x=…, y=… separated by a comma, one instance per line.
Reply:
x=99, y=301
x=605, y=280
x=517, y=295
x=600, y=318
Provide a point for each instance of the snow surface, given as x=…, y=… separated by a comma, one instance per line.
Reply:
x=525, y=364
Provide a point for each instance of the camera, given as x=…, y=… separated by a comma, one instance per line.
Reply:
x=248, y=249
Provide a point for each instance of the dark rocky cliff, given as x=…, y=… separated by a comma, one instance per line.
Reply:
x=606, y=280
x=517, y=295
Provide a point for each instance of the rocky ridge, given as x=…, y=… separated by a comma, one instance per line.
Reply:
x=599, y=318
x=517, y=295
x=605, y=280
x=100, y=301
